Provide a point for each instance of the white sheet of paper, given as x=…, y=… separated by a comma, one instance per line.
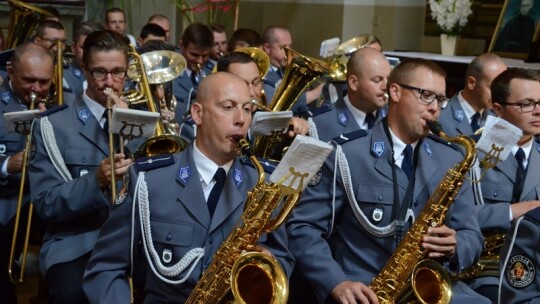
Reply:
x=264, y=123
x=501, y=133
x=13, y=118
x=126, y=117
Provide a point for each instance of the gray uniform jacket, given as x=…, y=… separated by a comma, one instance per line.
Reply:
x=329, y=243
x=180, y=221
x=497, y=191
x=453, y=120
x=520, y=261
x=74, y=210
x=10, y=144
x=74, y=77
x=335, y=119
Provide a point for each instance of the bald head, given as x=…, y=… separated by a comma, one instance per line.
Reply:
x=33, y=52
x=362, y=57
x=217, y=83
x=478, y=77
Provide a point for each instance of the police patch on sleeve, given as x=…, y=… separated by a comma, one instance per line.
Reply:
x=122, y=194
x=316, y=179
x=520, y=271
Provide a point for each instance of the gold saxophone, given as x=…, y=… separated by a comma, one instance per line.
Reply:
x=252, y=277
x=429, y=281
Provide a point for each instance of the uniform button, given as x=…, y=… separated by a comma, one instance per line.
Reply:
x=495, y=193
x=210, y=241
x=168, y=237
x=380, y=197
x=415, y=203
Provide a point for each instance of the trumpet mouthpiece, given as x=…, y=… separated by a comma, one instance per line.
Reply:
x=33, y=96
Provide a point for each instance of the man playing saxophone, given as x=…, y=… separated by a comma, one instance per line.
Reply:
x=343, y=238
x=70, y=170
x=190, y=203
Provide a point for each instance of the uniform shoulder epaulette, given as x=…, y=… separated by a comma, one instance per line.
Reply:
x=322, y=109
x=442, y=141
x=534, y=215
x=340, y=140
x=268, y=165
x=154, y=162
x=53, y=110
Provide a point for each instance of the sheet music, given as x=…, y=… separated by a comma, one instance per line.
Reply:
x=328, y=46
x=501, y=133
x=306, y=156
x=265, y=122
x=12, y=119
x=135, y=122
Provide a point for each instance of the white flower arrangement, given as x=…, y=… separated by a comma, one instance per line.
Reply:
x=451, y=15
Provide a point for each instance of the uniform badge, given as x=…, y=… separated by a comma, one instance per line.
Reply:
x=520, y=271
x=316, y=179
x=383, y=112
x=237, y=177
x=184, y=174
x=84, y=115
x=377, y=214
x=6, y=96
x=378, y=148
x=459, y=115
x=2, y=149
x=122, y=194
x=166, y=255
x=342, y=118
x=77, y=73
x=427, y=147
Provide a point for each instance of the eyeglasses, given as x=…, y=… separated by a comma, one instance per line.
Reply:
x=526, y=105
x=428, y=96
x=102, y=74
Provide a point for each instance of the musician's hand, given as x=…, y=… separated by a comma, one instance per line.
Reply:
x=297, y=125
x=263, y=250
x=167, y=115
x=116, y=100
x=518, y=209
x=15, y=163
x=41, y=107
x=349, y=292
x=440, y=242
x=121, y=165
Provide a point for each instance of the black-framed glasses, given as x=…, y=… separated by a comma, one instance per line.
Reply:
x=428, y=96
x=101, y=74
x=526, y=106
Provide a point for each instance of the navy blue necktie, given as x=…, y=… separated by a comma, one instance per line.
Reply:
x=194, y=79
x=520, y=175
x=213, y=198
x=475, y=121
x=106, y=124
x=407, y=164
x=370, y=120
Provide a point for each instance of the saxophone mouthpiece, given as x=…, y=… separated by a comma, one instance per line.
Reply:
x=435, y=128
x=243, y=144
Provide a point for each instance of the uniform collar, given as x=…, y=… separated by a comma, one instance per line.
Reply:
x=469, y=111
x=206, y=167
x=358, y=115
x=398, y=147
x=95, y=108
x=527, y=147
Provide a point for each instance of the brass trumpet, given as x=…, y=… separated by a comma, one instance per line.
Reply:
x=12, y=275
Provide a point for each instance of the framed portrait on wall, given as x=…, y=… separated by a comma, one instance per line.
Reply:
x=518, y=25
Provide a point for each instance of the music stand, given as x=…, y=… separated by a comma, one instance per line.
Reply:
x=20, y=121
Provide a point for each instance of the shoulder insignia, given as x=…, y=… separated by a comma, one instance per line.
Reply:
x=520, y=271
x=427, y=147
x=349, y=136
x=6, y=97
x=122, y=194
x=459, y=115
x=322, y=109
x=238, y=177
x=77, y=73
x=316, y=179
x=378, y=148
x=183, y=174
x=534, y=215
x=342, y=118
x=154, y=162
x=84, y=115
x=53, y=110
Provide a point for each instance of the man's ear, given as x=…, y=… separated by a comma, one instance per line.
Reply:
x=470, y=83
x=497, y=108
x=197, y=113
x=394, y=92
x=352, y=80
x=266, y=47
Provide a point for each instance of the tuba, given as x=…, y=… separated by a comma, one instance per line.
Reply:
x=300, y=73
x=160, y=143
x=406, y=268
x=252, y=277
x=23, y=19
